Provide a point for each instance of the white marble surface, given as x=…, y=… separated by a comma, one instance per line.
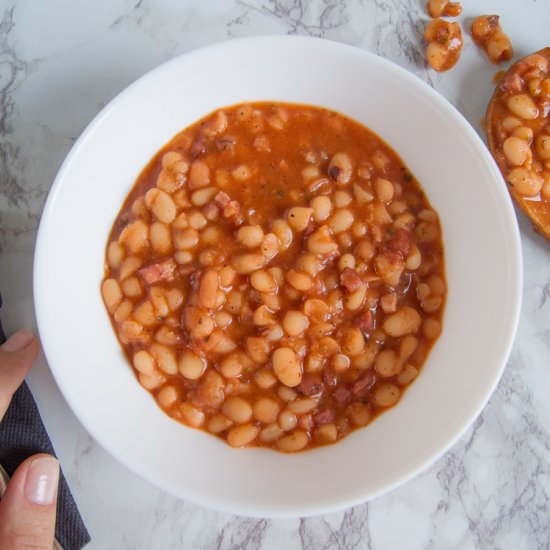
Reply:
x=61, y=61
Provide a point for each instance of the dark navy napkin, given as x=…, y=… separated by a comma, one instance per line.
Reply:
x=22, y=434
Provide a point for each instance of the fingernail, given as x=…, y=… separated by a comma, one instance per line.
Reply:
x=18, y=341
x=42, y=480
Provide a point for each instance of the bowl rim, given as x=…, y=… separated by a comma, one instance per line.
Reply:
x=290, y=511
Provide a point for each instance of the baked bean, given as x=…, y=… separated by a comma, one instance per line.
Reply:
x=112, y=295
x=153, y=381
x=362, y=196
x=340, y=168
x=240, y=436
x=542, y=146
x=203, y=196
x=237, y=409
x=286, y=393
x=431, y=305
x=293, y=442
x=197, y=221
x=405, y=321
x=444, y=44
x=352, y=342
x=190, y=365
x=208, y=289
x=271, y=433
x=354, y=300
x=487, y=34
x=283, y=232
x=414, y=259
x=287, y=366
x=316, y=310
x=247, y=263
x=165, y=358
x=161, y=205
x=266, y=410
x=299, y=280
x=321, y=207
x=144, y=314
x=186, y=238
x=359, y=414
x=526, y=183
x=199, y=175
x=270, y=245
x=115, y=254
x=431, y=328
x=265, y=379
x=132, y=287
x=321, y=241
x=342, y=199
x=191, y=415
x=123, y=311
x=298, y=217
x=386, y=363
x=258, y=349
x=218, y=424
x=287, y=420
x=384, y=189
x=250, y=236
x=161, y=238
x=135, y=236
x=263, y=316
x=326, y=433
x=295, y=323
x=167, y=396
x=437, y=8
x=144, y=362
x=340, y=363
x=308, y=263
x=523, y=106
x=407, y=375
x=341, y=220
x=131, y=329
x=386, y=395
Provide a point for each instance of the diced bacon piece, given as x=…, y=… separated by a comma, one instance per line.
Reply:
x=350, y=280
x=158, y=271
x=329, y=378
x=341, y=395
x=388, y=302
x=362, y=387
x=184, y=270
x=198, y=148
x=311, y=384
x=401, y=241
x=211, y=211
x=231, y=209
x=511, y=83
x=365, y=321
x=323, y=417
x=222, y=199
x=209, y=394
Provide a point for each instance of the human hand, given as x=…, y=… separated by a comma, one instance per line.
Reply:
x=27, y=508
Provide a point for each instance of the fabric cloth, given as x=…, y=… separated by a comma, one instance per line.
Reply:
x=22, y=434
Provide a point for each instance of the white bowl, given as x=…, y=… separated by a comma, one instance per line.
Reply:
x=483, y=260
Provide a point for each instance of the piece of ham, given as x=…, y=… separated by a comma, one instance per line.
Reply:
x=158, y=271
x=350, y=280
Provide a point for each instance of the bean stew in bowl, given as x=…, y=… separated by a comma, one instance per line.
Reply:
x=276, y=276
x=243, y=251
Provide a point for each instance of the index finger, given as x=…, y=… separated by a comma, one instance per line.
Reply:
x=17, y=356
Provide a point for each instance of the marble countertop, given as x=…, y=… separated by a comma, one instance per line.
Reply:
x=60, y=62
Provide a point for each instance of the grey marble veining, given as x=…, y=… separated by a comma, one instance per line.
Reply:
x=60, y=63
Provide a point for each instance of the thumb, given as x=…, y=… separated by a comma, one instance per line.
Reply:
x=27, y=509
